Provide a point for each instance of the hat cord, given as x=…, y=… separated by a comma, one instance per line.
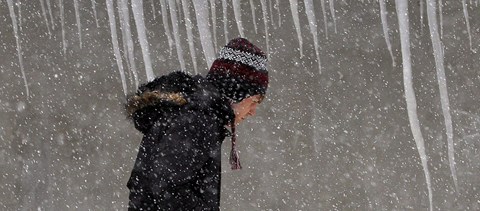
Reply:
x=234, y=157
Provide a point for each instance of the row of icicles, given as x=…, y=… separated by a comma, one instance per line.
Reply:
x=207, y=39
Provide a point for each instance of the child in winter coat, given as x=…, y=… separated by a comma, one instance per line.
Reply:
x=184, y=119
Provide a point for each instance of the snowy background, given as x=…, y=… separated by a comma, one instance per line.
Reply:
x=343, y=126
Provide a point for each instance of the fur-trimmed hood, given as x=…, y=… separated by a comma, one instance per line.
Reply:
x=169, y=95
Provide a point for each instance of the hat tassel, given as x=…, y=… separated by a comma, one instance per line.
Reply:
x=234, y=157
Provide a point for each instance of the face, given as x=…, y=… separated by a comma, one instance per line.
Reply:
x=246, y=107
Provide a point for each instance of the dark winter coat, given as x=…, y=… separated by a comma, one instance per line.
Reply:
x=183, y=120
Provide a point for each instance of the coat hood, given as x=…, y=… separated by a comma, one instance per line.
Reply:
x=169, y=95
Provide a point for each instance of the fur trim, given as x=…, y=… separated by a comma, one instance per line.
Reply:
x=137, y=102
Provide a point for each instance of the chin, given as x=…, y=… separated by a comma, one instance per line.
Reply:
x=238, y=121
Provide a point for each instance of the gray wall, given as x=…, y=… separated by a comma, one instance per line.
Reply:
x=339, y=140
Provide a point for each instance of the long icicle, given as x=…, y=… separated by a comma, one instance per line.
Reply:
x=94, y=8
x=383, y=17
x=214, y=22
x=176, y=33
x=252, y=7
x=237, y=11
x=49, y=8
x=402, y=14
x=440, y=10
x=312, y=22
x=265, y=22
x=127, y=35
x=201, y=12
x=166, y=25
x=442, y=84
x=189, y=26
x=137, y=8
x=467, y=22
x=225, y=24
x=296, y=22
x=421, y=16
x=19, y=5
x=44, y=13
x=77, y=18
x=116, y=49
x=11, y=9
x=279, y=14
x=62, y=23
x=121, y=13
x=270, y=7
x=324, y=12
x=332, y=11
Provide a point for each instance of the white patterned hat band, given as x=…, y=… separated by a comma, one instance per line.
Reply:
x=246, y=58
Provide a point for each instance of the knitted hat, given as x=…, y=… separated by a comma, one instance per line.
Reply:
x=240, y=70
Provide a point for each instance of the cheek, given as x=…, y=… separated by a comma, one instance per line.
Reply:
x=241, y=111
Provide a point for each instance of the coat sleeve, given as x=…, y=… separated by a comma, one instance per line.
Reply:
x=185, y=147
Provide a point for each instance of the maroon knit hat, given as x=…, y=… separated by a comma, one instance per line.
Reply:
x=239, y=71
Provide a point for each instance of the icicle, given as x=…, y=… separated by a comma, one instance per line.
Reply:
x=49, y=8
x=79, y=24
x=402, y=13
x=214, y=22
x=238, y=16
x=421, y=16
x=467, y=22
x=383, y=17
x=44, y=13
x=296, y=21
x=62, y=22
x=116, y=49
x=332, y=11
x=176, y=33
x=153, y=10
x=166, y=26
x=19, y=5
x=124, y=53
x=123, y=12
x=440, y=6
x=94, y=13
x=201, y=12
x=252, y=7
x=189, y=26
x=11, y=9
x=225, y=24
x=310, y=10
x=277, y=2
x=265, y=22
x=271, y=12
x=322, y=2
x=442, y=84
x=121, y=19
x=137, y=8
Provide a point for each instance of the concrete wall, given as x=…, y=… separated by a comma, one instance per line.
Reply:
x=339, y=140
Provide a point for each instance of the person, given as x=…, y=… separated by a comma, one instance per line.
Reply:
x=184, y=120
